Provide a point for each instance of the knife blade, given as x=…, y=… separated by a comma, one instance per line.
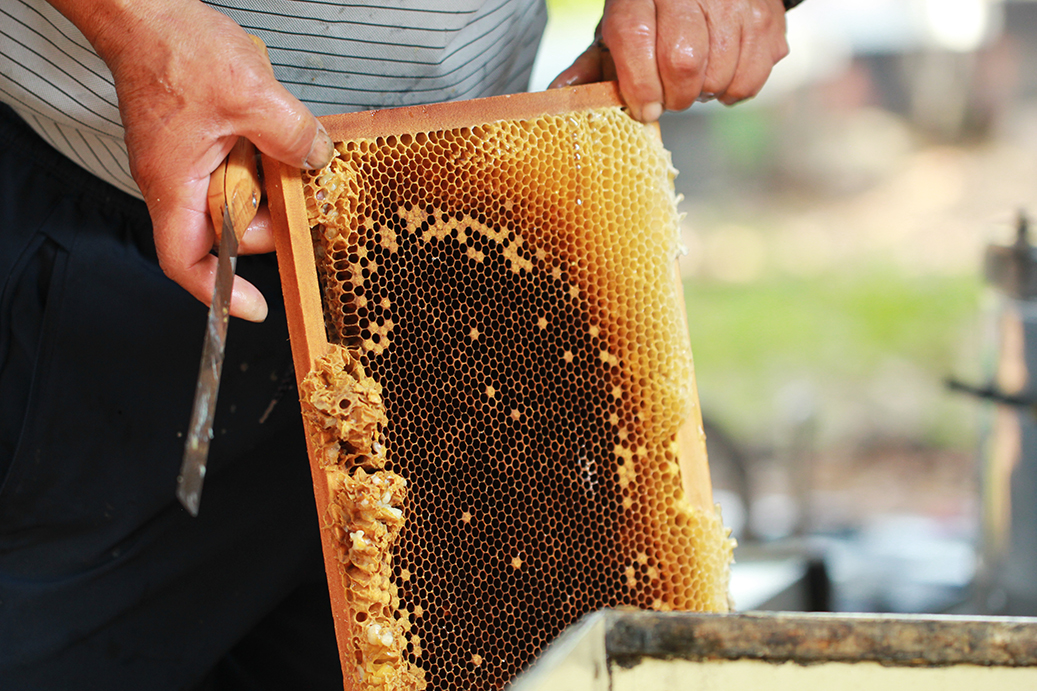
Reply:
x=234, y=194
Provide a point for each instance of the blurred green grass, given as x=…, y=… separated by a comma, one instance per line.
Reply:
x=837, y=333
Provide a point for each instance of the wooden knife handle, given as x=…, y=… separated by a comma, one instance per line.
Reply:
x=236, y=184
x=236, y=181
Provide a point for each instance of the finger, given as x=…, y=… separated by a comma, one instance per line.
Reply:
x=763, y=45
x=628, y=28
x=586, y=69
x=183, y=242
x=725, y=45
x=685, y=51
x=259, y=236
x=304, y=143
x=750, y=76
x=245, y=299
x=275, y=121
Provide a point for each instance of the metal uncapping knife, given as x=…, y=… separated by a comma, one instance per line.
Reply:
x=234, y=194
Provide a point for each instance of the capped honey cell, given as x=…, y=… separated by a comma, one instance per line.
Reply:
x=504, y=408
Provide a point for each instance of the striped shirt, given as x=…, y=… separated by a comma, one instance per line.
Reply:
x=336, y=56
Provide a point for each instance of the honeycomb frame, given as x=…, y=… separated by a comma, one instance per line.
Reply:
x=309, y=326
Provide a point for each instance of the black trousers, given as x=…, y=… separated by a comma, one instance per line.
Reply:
x=105, y=581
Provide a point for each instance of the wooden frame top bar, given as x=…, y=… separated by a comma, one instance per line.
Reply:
x=443, y=116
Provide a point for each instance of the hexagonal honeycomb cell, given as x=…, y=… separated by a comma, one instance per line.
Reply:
x=501, y=411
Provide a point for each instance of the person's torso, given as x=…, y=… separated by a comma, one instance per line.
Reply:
x=335, y=56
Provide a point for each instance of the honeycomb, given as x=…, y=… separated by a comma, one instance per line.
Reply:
x=500, y=409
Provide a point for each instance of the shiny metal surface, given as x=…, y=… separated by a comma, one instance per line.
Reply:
x=196, y=450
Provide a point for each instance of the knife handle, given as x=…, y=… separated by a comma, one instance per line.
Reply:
x=235, y=183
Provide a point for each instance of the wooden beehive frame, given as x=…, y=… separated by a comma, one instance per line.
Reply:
x=299, y=279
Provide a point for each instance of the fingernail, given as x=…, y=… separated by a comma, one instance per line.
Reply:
x=321, y=151
x=705, y=97
x=651, y=112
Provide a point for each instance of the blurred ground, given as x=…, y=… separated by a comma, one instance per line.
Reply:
x=835, y=229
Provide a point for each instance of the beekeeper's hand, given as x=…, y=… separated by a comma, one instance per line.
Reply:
x=667, y=54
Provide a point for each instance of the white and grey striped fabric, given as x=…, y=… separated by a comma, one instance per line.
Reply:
x=336, y=56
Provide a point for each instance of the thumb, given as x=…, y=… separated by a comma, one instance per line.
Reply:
x=304, y=144
x=291, y=134
x=585, y=69
x=282, y=127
